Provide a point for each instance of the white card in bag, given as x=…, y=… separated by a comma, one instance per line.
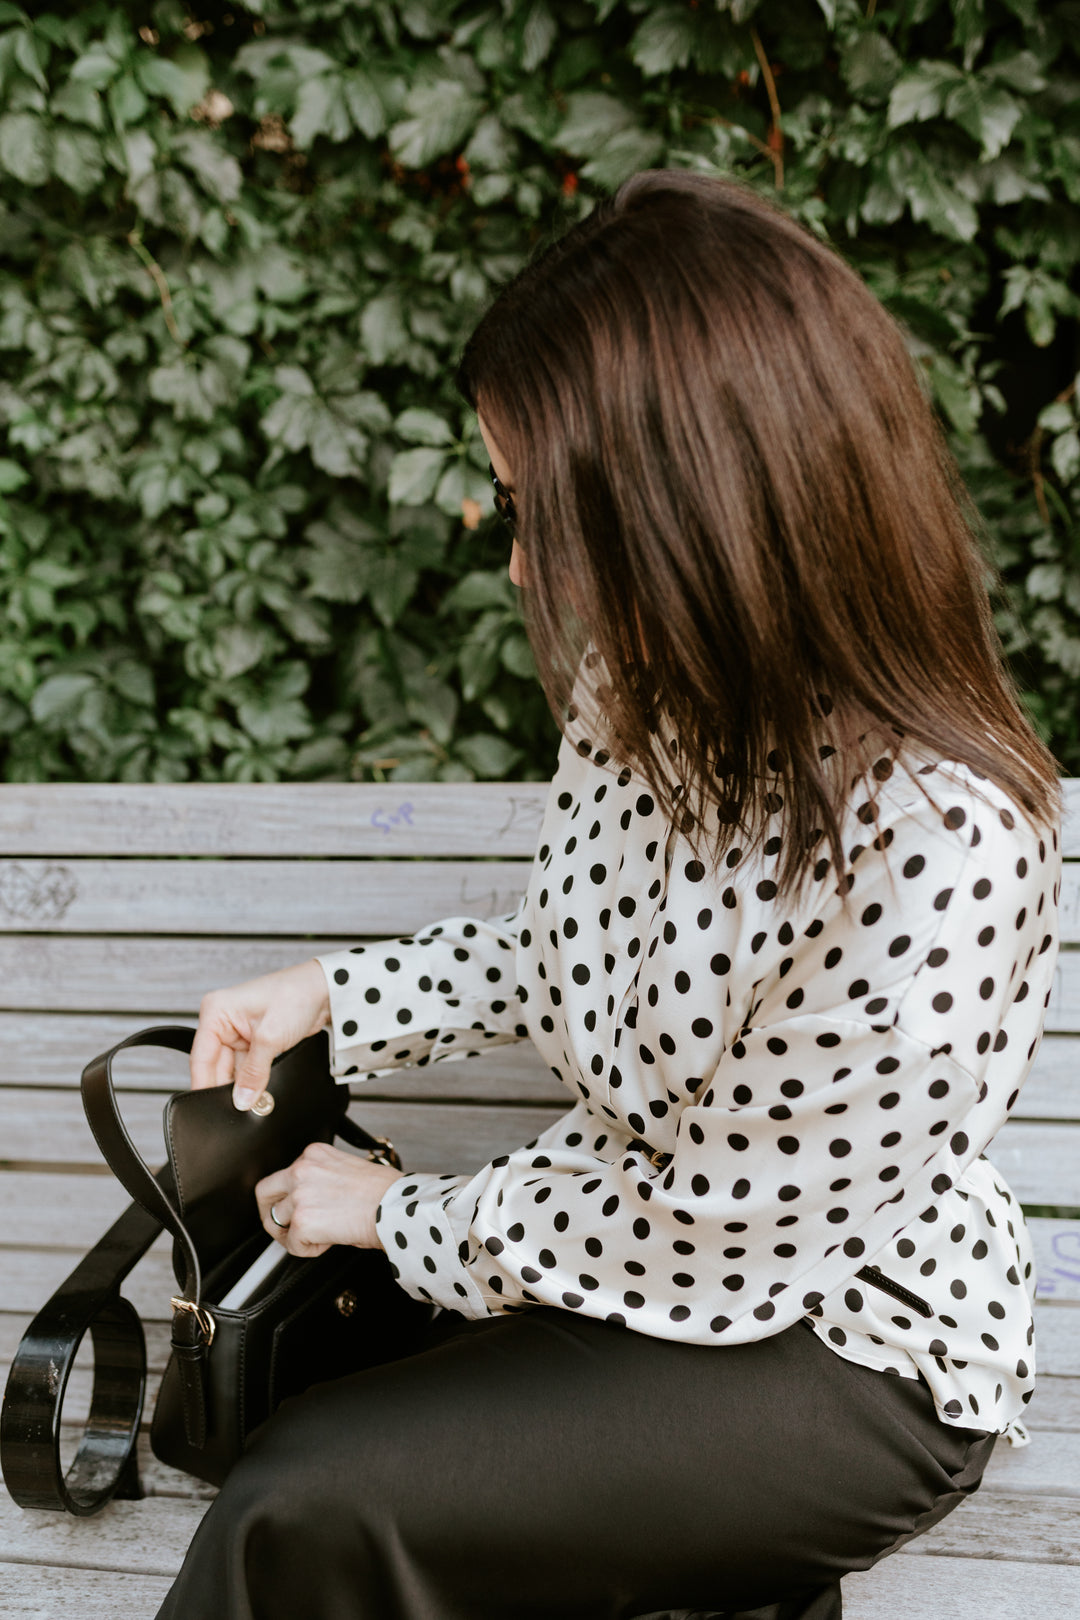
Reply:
x=262, y=1267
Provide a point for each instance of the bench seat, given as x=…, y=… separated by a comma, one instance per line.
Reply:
x=121, y=905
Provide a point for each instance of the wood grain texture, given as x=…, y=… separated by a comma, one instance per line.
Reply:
x=251, y=897
x=50, y=1126
x=114, y=974
x=34, y=1592
x=50, y=1050
x=909, y=1586
x=276, y=897
x=315, y=818
x=500, y=819
x=1039, y=1161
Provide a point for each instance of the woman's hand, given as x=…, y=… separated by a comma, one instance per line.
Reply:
x=242, y=1029
x=326, y=1196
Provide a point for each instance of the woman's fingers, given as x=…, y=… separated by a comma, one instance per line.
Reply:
x=243, y=1028
x=251, y=1071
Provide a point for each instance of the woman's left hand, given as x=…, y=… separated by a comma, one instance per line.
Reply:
x=325, y=1196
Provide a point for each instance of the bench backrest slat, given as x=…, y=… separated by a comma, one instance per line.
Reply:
x=228, y=820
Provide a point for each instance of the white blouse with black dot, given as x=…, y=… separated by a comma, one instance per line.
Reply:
x=779, y=1111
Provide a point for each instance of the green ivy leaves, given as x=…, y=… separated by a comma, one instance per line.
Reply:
x=245, y=522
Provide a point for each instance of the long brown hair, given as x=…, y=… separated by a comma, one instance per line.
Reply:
x=729, y=482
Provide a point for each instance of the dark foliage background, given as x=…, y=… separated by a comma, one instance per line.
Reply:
x=244, y=527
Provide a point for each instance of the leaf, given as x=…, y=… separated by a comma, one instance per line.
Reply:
x=97, y=68
x=1056, y=418
x=77, y=159
x=60, y=697
x=238, y=648
x=1065, y=456
x=216, y=169
x=413, y=476
x=382, y=328
x=273, y=724
x=321, y=109
x=592, y=118
x=870, y=66
x=80, y=103
x=488, y=755
x=421, y=426
x=664, y=40
x=920, y=92
x=1022, y=72
x=160, y=77
x=364, y=103
x=140, y=154
x=444, y=115
x=25, y=148
x=125, y=100
x=538, y=35
x=32, y=55
x=623, y=155
x=988, y=113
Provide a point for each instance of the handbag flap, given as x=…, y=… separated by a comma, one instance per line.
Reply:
x=217, y=1153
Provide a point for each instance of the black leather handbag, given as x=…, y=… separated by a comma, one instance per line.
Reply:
x=237, y=1352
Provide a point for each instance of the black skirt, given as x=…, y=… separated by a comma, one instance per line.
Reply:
x=547, y=1465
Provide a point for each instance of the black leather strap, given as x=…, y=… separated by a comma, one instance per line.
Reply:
x=120, y=1152
x=89, y=1300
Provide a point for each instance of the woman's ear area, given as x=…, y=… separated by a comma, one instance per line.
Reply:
x=495, y=455
x=506, y=477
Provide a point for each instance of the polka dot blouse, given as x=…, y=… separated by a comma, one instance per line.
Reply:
x=778, y=1111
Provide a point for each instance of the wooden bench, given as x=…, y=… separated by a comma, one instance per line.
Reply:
x=120, y=906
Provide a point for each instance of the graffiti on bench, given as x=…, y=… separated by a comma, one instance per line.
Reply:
x=1063, y=1275
x=388, y=821
x=41, y=895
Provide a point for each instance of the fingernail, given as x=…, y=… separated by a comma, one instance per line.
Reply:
x=243, y=1099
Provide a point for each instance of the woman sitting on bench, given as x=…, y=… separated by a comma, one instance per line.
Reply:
x=754, y=1311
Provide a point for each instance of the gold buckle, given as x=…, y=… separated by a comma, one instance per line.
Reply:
x=385, y=1153
x=201, y=1315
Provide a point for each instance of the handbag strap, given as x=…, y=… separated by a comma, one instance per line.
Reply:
x=120, y=1152
x=132, y=1171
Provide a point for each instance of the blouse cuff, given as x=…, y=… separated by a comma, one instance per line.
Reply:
x=449, y=992
x=413, y=1228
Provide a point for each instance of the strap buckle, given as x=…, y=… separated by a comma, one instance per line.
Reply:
x=385, y=1153
x=200, y=1313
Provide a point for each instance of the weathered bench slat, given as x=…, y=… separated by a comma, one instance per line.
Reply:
x=139, y=1538
x=151, y=1537
x=35, y=1593
x=1038, y=1161
x=490, y=819
x=252, y=897
x=50, y=1049
x=994, y=1524
x=130, y=974
x=910, y=1587
x=282, y=897
x=429, y=1136
x=296, y=818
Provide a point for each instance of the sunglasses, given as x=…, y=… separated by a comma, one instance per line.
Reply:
x=504, y=502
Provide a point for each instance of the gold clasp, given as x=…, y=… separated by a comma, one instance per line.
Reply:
x=201, y=1315
x=385, y=1153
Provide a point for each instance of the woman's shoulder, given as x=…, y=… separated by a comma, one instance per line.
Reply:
x=955, y=807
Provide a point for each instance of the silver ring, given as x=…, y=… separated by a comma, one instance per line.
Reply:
x=281, y=1225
